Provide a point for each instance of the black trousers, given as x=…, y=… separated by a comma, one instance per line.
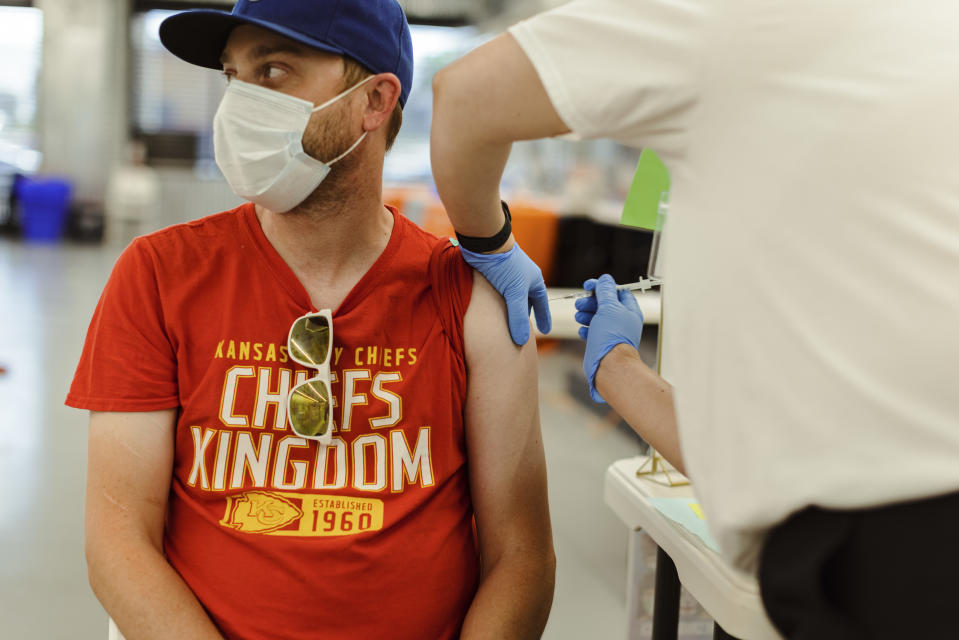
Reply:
x=889, y=572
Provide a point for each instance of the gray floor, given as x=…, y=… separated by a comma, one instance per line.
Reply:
x=47, y=295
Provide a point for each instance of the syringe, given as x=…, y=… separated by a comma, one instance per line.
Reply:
x=644, y=284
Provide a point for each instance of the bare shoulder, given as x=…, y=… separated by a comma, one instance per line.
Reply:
x=484, y=325
x=486, y=308
x=486, y=332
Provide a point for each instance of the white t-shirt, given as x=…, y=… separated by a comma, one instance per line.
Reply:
x=811, y=250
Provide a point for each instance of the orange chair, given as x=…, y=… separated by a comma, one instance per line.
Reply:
x=536, y=229
x=436, y=221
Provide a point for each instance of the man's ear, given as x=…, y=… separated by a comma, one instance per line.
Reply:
x=382, y=94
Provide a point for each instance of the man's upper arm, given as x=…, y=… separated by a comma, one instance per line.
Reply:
x=130, y=467
x=505, y=446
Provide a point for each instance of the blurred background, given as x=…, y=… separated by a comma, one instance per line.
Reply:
x=105, y=136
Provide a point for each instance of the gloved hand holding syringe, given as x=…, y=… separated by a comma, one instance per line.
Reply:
x=643, y=284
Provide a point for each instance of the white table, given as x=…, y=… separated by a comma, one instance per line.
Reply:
x=728, y=595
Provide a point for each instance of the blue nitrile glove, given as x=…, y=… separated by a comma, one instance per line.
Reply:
x=520, y=282
x=611, y=317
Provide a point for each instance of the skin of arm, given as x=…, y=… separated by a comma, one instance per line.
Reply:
x=130, y=467
x=507, y=477
x=645, y=403
x=483, y=103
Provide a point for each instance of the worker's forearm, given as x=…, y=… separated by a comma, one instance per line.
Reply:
x=514, y=598
x=467, y=163
x=144, y=595
x=482, y=103
x=642, y=398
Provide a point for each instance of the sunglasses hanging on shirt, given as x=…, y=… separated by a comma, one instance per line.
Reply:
x=309, y=406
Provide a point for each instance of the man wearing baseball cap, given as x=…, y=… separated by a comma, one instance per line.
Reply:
x=308, y=418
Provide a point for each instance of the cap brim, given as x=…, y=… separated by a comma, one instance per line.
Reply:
x=199, y=36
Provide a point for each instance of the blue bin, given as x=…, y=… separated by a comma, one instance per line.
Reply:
x=43, y=208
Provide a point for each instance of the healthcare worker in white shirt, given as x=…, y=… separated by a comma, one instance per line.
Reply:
x=811, y=267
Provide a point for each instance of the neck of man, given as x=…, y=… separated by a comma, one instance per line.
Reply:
x=332, y=239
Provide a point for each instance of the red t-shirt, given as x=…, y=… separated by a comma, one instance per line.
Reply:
x=370, y=537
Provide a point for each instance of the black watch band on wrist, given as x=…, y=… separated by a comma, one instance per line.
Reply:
x=483, y=245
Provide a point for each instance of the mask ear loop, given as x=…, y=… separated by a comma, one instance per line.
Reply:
x=345, y=93
x=334, y=99
x=347, y=152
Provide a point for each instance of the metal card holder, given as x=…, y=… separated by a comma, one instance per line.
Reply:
x=658, y=470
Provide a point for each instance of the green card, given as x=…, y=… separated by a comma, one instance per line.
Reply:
x=687, y=512
x=649, y=184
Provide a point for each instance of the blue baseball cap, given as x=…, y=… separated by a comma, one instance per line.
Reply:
x=372, y=32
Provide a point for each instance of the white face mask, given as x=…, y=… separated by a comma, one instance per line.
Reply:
x=258, y=144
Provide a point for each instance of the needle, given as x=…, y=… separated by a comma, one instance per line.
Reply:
x=644, y=284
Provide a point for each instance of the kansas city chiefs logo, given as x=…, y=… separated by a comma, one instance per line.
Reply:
x=259, y=512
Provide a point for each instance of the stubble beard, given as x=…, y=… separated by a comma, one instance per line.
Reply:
x=327, y=134
x=326, y=138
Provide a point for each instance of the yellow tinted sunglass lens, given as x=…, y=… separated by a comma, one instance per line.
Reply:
x=310, y=408
x=310, y=340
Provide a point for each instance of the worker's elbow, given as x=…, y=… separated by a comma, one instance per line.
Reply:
x=451, y=88
x=441, y=91
x=440, y=80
